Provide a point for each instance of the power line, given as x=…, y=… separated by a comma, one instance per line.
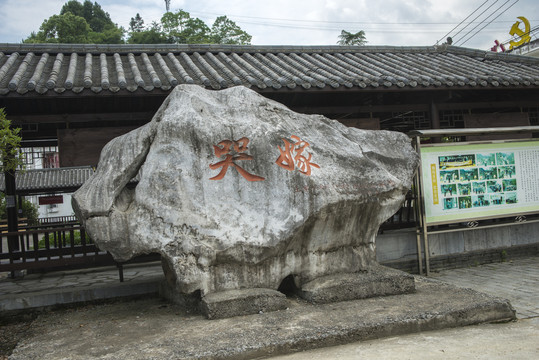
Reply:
x=443, y=37
x=476, y=19
x=359, y=23
x=377, y=30
x=501, y=13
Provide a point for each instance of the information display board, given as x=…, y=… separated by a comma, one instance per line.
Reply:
x=476, y=181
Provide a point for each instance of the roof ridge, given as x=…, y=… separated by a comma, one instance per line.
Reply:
x=189, y=48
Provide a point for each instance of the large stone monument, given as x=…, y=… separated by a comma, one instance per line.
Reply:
x=240, y=195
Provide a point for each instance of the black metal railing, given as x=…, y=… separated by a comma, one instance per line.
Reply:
x=404, y=217
x=49, y=247
x=57, y=220
x=55, y=247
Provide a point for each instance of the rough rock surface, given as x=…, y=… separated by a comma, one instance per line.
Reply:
x=237, y=191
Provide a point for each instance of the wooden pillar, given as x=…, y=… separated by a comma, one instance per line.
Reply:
x=435, y=120
x=11, y=209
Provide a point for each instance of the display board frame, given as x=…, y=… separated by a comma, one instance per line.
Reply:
x=471, y=181
x=425, y=189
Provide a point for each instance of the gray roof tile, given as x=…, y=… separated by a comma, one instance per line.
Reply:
x=44, y=68
x=44, y=180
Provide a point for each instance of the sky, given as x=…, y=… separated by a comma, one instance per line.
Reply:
x=312, y=22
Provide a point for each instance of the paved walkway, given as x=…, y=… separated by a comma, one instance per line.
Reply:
x=64, y=287
x=517, y=281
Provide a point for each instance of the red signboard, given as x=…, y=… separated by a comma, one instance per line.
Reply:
x=48, y=200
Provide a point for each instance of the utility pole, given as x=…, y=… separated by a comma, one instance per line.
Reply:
x=167, y=3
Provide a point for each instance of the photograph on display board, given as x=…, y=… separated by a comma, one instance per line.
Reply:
x=465, y=202
x=449, y=176
x=509, y=185
x=494, y=186
x=486, y=159
x=506, y=172
x=449, y=190
x=479, y=187
x=488, y=173
x=465, y=188
x=503, y=158
x=456, y=161
x=480, y=200
x=511, y=198
x=450, y=203
x=497, y=199
x=468, y=174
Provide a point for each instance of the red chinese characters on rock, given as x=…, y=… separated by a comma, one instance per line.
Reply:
x=292, y=156
x=233, y=151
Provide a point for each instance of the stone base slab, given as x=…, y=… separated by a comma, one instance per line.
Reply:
x=151, y=328
x=377, y=281
x=231, y=303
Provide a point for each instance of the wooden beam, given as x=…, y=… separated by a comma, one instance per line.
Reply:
x=73, y=118
x=359, y=109
x=411, y=107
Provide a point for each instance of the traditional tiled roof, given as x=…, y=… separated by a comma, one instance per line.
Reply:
x=27, y=69
x=64, y=179
x=57, y=179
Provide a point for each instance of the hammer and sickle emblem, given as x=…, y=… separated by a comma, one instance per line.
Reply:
x=524, y=35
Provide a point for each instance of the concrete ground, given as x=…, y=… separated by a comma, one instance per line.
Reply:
x=153, y=329
x=515, y=340
x=516, y=280
x=77, y=286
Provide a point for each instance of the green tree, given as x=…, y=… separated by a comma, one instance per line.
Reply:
x=174, y=24
x=10, y=142
x=225, y=31
x=153, y=35
x=95, y=16
x=348, y=38
x=111, y=35
x=66, y=28
x=79, y=23
x=11, y=160
x=136, y=24
x=29, y=211
x=180, y=28
x=195, y=32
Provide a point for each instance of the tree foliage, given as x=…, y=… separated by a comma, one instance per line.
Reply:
x=10, y=143
x=225, y=31
x=29, y=211
x=87, y=23
x=95, y=16
x=136, y=24
x=181, y=28
x=67, y=28
x=152, y=35
x=348, y=38
x=78, y=23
